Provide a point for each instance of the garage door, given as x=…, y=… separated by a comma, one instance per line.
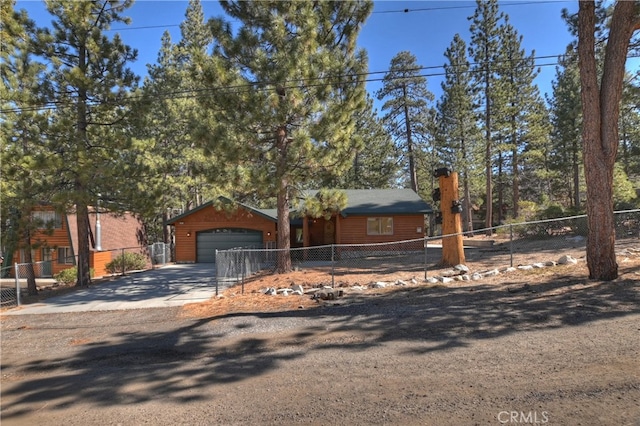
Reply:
x=207, y=242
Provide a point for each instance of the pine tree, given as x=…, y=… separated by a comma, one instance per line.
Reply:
x=90, y=87
x=524, y=110
x=406, y=108
x=282, y=90
x=457, y=118
x=565, y=155
x=375, y=164
x=630, y=130
x=484, y=50
x=601, y=95
x=24, y=161
x=172, y=120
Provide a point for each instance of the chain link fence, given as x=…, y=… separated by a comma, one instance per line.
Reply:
x=160, y=253
x=14, y=279
x=507, y=245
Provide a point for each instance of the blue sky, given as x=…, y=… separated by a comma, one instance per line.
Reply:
x=426, y=30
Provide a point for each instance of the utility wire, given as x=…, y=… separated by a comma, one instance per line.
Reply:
x=316, y=82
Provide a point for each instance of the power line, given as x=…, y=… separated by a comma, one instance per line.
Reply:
x=423, y=9
x=473, y=6
x=315, y=82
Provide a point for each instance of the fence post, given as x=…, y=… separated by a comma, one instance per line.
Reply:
x=244, y=268
x=17, y=284
x=333, y=268
x=425, y=257
x=511, y=244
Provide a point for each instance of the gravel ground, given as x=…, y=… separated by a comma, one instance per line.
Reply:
x=556, y=353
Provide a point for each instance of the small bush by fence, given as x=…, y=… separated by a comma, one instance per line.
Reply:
x=510, y=245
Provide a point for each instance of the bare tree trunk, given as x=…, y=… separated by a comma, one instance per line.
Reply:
x=32, y=289
x=600, y=127
x=412, y=161
x=284, y=228
x=82, y=214
x=82, y=211
x=487, y=156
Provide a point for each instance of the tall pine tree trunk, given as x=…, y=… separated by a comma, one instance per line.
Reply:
x=32, y=289
x=488, y=153
x=601, y=106
x=412, y=161
x=284, y=231
x=81, y=180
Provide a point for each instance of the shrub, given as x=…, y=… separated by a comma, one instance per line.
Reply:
x=69, y=276
x=126, y=262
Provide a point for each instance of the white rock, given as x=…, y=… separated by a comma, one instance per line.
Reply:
x=297, y=287
x=538, y=265
x=461, y=268
x=414, y=281
x=270, y=291
x=509, y=269
x=549, y=263
x=458, y=278
x=491, y=273
x=431, y=280
x=297, y=292
x=525, y=267
x=566, y=259
x=446, y=280
x=400, y=282
x=476, y=276
x=465, y=277
x=286, y=292
x=379, y=284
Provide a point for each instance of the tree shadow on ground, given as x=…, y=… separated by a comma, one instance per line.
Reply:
x=180, y=362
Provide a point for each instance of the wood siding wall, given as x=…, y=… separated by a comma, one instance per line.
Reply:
x=353, y=229
x=98, y=261
x=211, y=218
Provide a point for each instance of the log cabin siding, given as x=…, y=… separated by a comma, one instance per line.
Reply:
x=209, y=218
x=353, y=229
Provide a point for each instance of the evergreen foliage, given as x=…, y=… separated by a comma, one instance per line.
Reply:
x=406, y=110
x=279, y=126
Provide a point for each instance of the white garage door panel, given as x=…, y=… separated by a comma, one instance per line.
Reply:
x=208, y=242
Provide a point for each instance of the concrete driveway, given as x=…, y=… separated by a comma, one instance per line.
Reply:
x=173, y=285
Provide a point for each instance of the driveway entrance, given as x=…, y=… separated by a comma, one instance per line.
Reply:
x=172, y=285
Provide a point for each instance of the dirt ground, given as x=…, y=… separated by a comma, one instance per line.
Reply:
x=545, y=346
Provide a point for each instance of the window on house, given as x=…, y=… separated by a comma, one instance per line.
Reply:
x=65, y=256
x=380, y=226
x=46, y=219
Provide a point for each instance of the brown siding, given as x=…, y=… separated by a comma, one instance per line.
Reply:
x=211, y=218
x=98, y=261
x=353, y=229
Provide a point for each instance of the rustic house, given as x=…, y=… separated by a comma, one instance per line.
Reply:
x=56, y=243
x=370, y=216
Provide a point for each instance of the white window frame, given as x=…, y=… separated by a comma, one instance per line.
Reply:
x=380, y=225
